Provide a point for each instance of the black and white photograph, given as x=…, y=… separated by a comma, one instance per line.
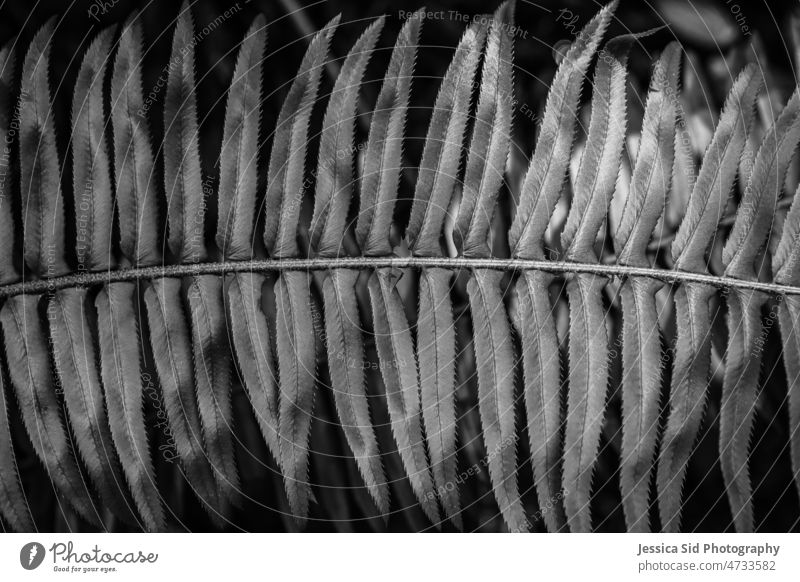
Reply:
x=335, y=268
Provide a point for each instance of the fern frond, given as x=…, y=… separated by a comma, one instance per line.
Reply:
x=346, y=364
x=8, y=269
x=75, y=363
x=285, y=180
x=183, y=180
x=91, y=172
x=588, y=379
x=641, y=354
x=212, y=363
x=542, y=379
x=426, y=399
x=134, y=174
x=122, y=381
x=42, y=411
x=40, y=170
x=297, y=364
x=334, y=176
x=442, y=152
x=379, y=182
x=398, y=365
x=253, y=345
x=547, y=170
x=491, y=137
x=739, y=388
x=599, y=166
x=239, y=157
x=436, y=354
x=172, y=352
x=14, y=507
x=789, y=316
x=692, y=362
x=494, y=358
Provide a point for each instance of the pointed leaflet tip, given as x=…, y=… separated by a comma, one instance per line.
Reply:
x=40, y=174
x=383, y=159
x=285, y=177
x=239, y=152
x=335, y=165
x=752, y=226
x=182, y=171
x=505, y=12
x=136, y=183
x=441, y=154
x=600, y=160
x=547, y=170
x=184, y=25
x=712, y=188
x=8, y=270
x=398, y=365
x=488, y=153
x=652, y=172
x=91, y=166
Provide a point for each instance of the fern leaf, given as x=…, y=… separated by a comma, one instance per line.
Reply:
x=599, y=165
x=136, y=186
x=787, y=255
x=76, y=364
x=739, y=393
x=789, y=314
x=541, y=366
x=787, y=272
x=212, y=363
x=122, y=380
x=692, y=361
x=746, y=241
x=296, y=345
x=441, y=154
x=547, y=170
x=34, y=384
x=588, y=379
x=684, y=174
x=491, y=137
x=641, y=353
x=239, y=158
x=78, y=374
x=91, y=174
x=652, y=172
x=40, y=173
x=8, y=270
x=335, y=167
x=14, y=507
x=436, y=353
x=285, y=179
x=641, y=393
x=714, y=182
x=494, y=359
x=690, y=382
x=754, y=137
x=382, y=163
x=346, y=365
x=253, y=346
x=400, y=377
x=183, y=179
x=757, y=208
x=172, y=351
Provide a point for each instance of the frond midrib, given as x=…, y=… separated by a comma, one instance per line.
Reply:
x=84, y=279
